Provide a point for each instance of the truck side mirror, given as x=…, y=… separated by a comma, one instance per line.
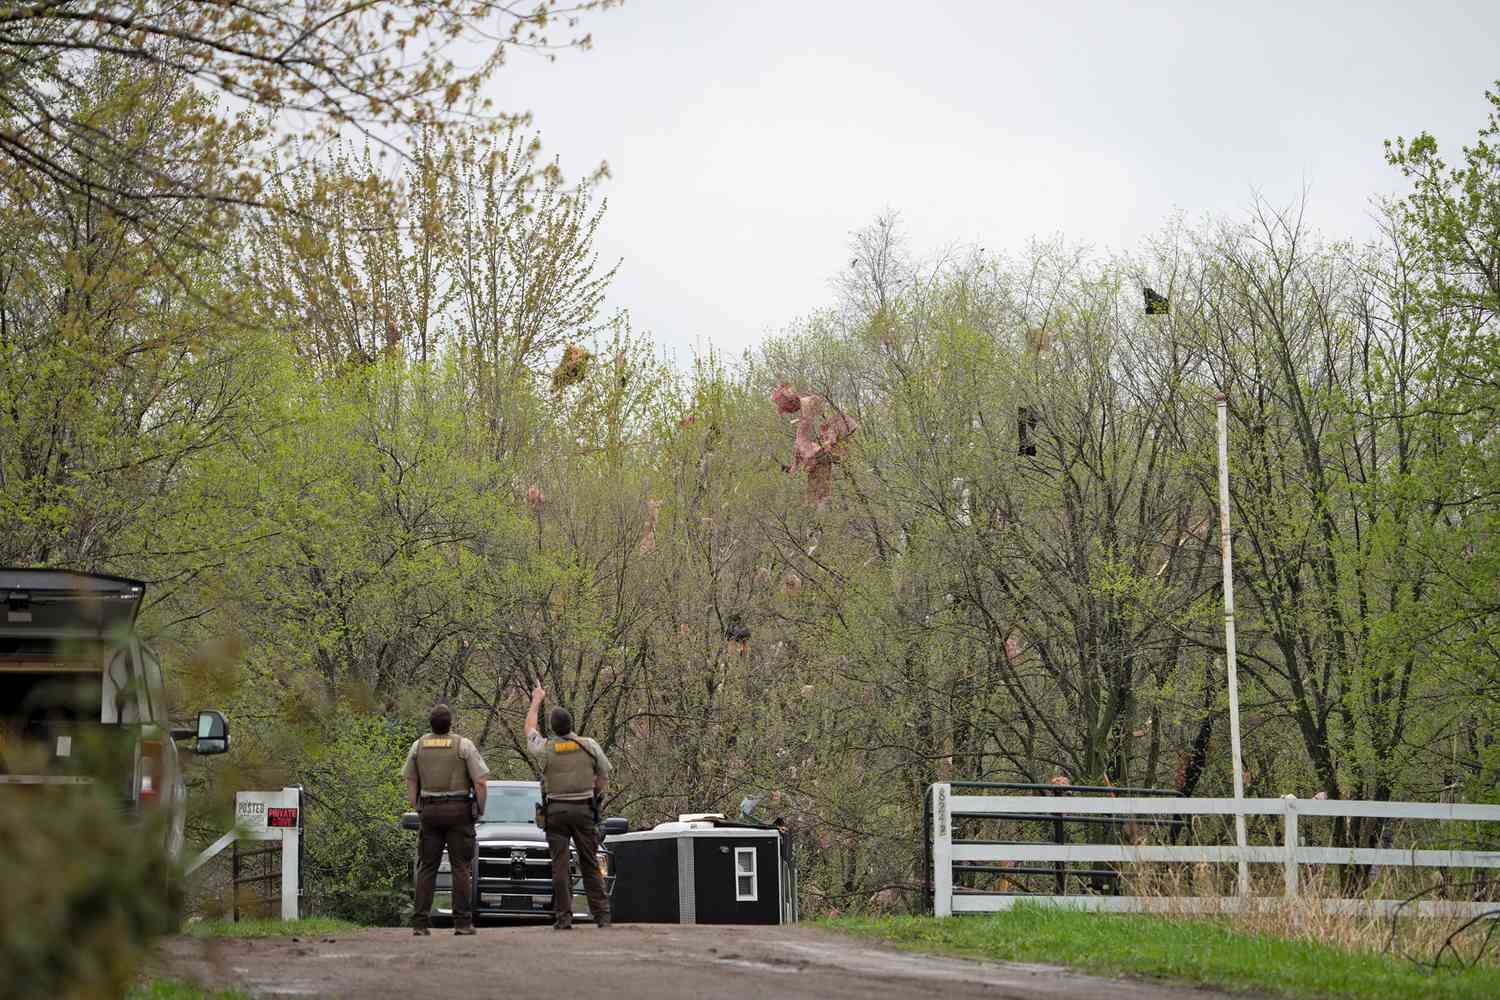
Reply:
x=616, y=824
x=410, y=821
x=213, y=733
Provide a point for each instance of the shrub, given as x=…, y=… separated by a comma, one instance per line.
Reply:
x=86, y=890
x=358, y=859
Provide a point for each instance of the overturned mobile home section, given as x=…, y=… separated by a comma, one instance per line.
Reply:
x=704, y=869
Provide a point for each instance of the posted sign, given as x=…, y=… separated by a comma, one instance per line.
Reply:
x=266, y=815
x=274, y=816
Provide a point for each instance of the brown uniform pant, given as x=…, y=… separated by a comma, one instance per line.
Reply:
x=445, y=823
x=573, y=822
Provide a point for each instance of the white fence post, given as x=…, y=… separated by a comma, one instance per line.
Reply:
x=942, y=852
x=291, y=856
x=1290, y=841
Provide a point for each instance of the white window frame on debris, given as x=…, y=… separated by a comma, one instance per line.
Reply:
x=741, y=873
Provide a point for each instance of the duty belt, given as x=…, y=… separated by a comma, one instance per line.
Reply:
x=440, y=796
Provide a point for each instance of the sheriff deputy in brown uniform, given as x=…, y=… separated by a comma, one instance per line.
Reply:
x=440, y=771
x=573, y=769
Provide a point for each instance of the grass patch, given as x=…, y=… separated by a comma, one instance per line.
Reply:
x=307, y=927
x=1197, y=951
x=172, y=989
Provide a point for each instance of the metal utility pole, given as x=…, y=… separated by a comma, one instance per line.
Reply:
x=1234, y=684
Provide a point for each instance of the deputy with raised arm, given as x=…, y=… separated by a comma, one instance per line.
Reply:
x=574, y=770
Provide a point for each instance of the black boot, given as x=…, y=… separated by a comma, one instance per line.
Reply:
x=562, y=924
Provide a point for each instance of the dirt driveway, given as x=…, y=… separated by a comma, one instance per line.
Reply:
x=628, y=962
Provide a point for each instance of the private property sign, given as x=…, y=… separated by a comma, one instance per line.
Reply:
x=266, y=815
x=274, y=816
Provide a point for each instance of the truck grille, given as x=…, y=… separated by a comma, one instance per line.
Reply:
x=515, y=879
x=514, y=866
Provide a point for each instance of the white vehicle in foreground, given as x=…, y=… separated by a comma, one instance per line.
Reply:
x=82, y=701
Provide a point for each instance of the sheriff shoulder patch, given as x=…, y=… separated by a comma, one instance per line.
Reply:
x=438, y=741
x=563, y=746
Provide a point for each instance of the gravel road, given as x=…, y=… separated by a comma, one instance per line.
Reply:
x=627, y=962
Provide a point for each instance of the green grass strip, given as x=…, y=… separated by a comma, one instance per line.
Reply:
x=1195, y=951
x=171, y=989
x=307, y=927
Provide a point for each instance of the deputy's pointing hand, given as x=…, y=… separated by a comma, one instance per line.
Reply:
x=537, y=694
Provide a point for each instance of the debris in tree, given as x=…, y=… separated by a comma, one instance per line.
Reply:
x=964, y=507
x=791, y=584
x=571, y=368
x=1036, y=340
x=1028, y=419
x=785, y=397
x=737, y=632
x=1198, y=530
x=805, y=445
x=688, y=421
x=820, y=481
x=535, y=498
x=836, y=431
x=648, y=539
x=1156, y=303
x=817, y=443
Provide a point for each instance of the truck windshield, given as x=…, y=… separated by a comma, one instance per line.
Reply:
x=511, y=804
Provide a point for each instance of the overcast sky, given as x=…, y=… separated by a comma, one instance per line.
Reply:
x=747, y=141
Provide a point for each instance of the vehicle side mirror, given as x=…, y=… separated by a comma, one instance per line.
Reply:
x=616, y=824
x=410, y=821
x=213, y=733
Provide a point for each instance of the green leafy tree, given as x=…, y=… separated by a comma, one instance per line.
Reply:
x=316, y=66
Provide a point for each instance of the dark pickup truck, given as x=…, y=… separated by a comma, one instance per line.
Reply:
x=513, y=876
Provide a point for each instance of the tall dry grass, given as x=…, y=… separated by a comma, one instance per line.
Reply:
x=1321, y=913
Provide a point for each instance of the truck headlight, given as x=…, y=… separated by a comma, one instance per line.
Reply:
x=603, y=863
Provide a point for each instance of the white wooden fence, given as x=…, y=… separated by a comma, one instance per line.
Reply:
x=1289, y=854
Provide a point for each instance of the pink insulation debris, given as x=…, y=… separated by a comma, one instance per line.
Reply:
x=805, y=446
x=817, y=443
x=648, y=540
x=785, y=398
